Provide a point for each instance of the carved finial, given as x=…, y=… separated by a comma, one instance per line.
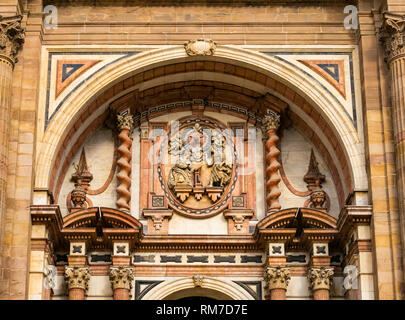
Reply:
x=271, y=121
x=200, y=47
x=314, y=178
x=12, y=37
x=392, y=34
x=82, y=174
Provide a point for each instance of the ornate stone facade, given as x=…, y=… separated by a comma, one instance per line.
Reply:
x=286, y=165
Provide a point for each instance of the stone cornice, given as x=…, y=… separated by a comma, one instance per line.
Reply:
x=12, y=37
x=392, y=34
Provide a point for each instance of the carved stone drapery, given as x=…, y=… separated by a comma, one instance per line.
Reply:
x=277, y=279
x=271, y=123
x=320, y=281
x=12, y=37
x=125, y=125
x=77, y=279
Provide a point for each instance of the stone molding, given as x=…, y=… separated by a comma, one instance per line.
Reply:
x=392, y=35
x=121, y=278
x=277, y=277
x=77, y=277
x=320, y=277
x=12, y=37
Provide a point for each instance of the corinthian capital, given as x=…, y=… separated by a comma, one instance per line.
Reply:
x=121, y=278
x=11, y=37
x=392, y=34
x=319, y=278
x=77, y=277
x=271, y=121
x=125, y=122
x=277, y=277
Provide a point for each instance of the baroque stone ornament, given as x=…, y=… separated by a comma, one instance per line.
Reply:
x=271, y=123
x=12, y=37
x=320, y=277
x=199, y=170
x=392, y=34
x=277, y=277
x=198, y=280
x=121, y=278
x=77, y=277
x=200, y=47
x=125, y=125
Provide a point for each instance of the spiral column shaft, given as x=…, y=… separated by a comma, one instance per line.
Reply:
x=125, y=125
x=271, y=122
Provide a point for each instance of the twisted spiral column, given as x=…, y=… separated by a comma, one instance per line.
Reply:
x=271, y=123
x=125, y=126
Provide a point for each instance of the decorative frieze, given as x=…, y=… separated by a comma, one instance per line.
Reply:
x=320, y=277
x=277, y=277
x=77, y=277
x=121, y=278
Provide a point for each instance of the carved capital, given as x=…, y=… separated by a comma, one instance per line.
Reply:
x=392, y=35
x=121, y=278
x=77, y=277
x=200, y=47
x=125, y=122
x=12, y=37
x=271, y=121
x=277, y=277
x=320, y=277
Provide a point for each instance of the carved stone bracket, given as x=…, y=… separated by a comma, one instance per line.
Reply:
x=392, y=35
x=238, y=220
x=77, y=277
x=158, y=220
x=121, y=278
x=277, y=277
x=320, y=277
x=12, y=37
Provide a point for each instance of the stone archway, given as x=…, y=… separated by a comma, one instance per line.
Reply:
x=198, y=286
x=322, y=101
